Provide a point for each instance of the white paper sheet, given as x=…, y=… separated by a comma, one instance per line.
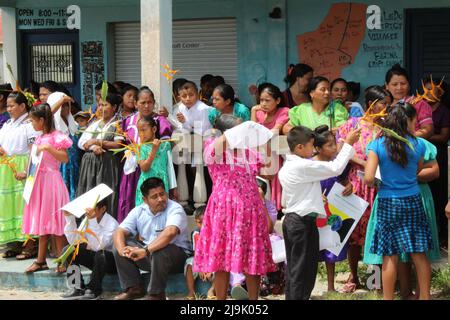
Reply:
x=278, y=251
x=130, y=165
x=248, y=135
x=78, y=206
x=351, y=206
x=33, y=169
x=377, y=176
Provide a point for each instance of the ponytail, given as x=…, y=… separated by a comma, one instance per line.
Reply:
x=397, y=121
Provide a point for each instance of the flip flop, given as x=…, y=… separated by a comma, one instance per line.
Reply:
x=60, y=269
x=239, y=293
x=349, y=287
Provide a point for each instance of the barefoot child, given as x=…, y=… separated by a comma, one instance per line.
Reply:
x=300, y=178
x=42, y=216
x=191, y=276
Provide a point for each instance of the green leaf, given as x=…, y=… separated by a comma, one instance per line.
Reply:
x=398, y=137
x=116, y=151
x=10, y=69
x=63, y=258
x=104, y=90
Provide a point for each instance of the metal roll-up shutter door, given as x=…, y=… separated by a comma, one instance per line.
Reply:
x=206, y=46
x=127, y=58
x=199, y=47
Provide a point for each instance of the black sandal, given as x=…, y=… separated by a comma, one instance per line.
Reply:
x=38, y=266
x=25, y=255
x=10, y=254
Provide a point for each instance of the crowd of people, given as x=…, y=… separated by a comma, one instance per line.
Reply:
x=141, y=226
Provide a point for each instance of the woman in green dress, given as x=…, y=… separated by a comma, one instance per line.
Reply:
x=429, y=173
x=320, y=111
x=16, y=137
x=153, y=156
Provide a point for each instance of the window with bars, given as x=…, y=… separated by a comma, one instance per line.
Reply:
x=52, y=62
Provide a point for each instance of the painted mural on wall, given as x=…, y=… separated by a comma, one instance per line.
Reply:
x=343, y=39
x=93, y=68
x=334, y=45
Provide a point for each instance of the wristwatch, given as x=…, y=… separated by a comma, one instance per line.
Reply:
x=147, y=252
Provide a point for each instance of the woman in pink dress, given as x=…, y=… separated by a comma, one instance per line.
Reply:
x=271, y=114
x=369, y=132
x=42, y=215
x=234, y=237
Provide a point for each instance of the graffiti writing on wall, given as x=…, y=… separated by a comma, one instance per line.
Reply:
x=93, y=68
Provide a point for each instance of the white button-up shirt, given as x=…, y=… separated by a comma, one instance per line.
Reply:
x=300, y=179
x=197, y=120
x=103, y=230
x=17, y=135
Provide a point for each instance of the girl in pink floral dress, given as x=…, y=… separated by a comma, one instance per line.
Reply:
x=369, y=132
x=42, y=216
x=234, y=237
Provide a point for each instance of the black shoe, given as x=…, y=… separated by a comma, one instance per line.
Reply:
x=75, y=294
x=91, y=295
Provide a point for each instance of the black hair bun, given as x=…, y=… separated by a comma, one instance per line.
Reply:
x=321, y=129
x=397, y=66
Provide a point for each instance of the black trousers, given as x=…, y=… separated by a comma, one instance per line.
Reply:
x=100, y=262
x=160, y=264
x=301, y=238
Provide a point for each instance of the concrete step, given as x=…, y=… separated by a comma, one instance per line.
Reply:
x=12, y=275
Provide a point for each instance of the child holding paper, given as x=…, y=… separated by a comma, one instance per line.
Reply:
x=402, y=226
x=325, y=144
x=300, y=178
x=42, y=216
x=97, y=254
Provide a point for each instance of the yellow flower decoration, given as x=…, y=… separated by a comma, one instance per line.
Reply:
x=169, y=73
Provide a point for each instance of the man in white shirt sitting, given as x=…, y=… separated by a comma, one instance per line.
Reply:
x=97, y=254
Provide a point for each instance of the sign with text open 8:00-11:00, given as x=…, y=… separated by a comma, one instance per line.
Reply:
x=42, y=18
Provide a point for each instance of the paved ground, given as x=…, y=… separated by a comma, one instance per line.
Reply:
x=318, y=293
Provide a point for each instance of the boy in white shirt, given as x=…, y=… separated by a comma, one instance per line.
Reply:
x=193, y=114
x=300, y=178
x=97, y=254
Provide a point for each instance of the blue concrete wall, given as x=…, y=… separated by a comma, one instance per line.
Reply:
x=265, y=46
x=369, y=66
